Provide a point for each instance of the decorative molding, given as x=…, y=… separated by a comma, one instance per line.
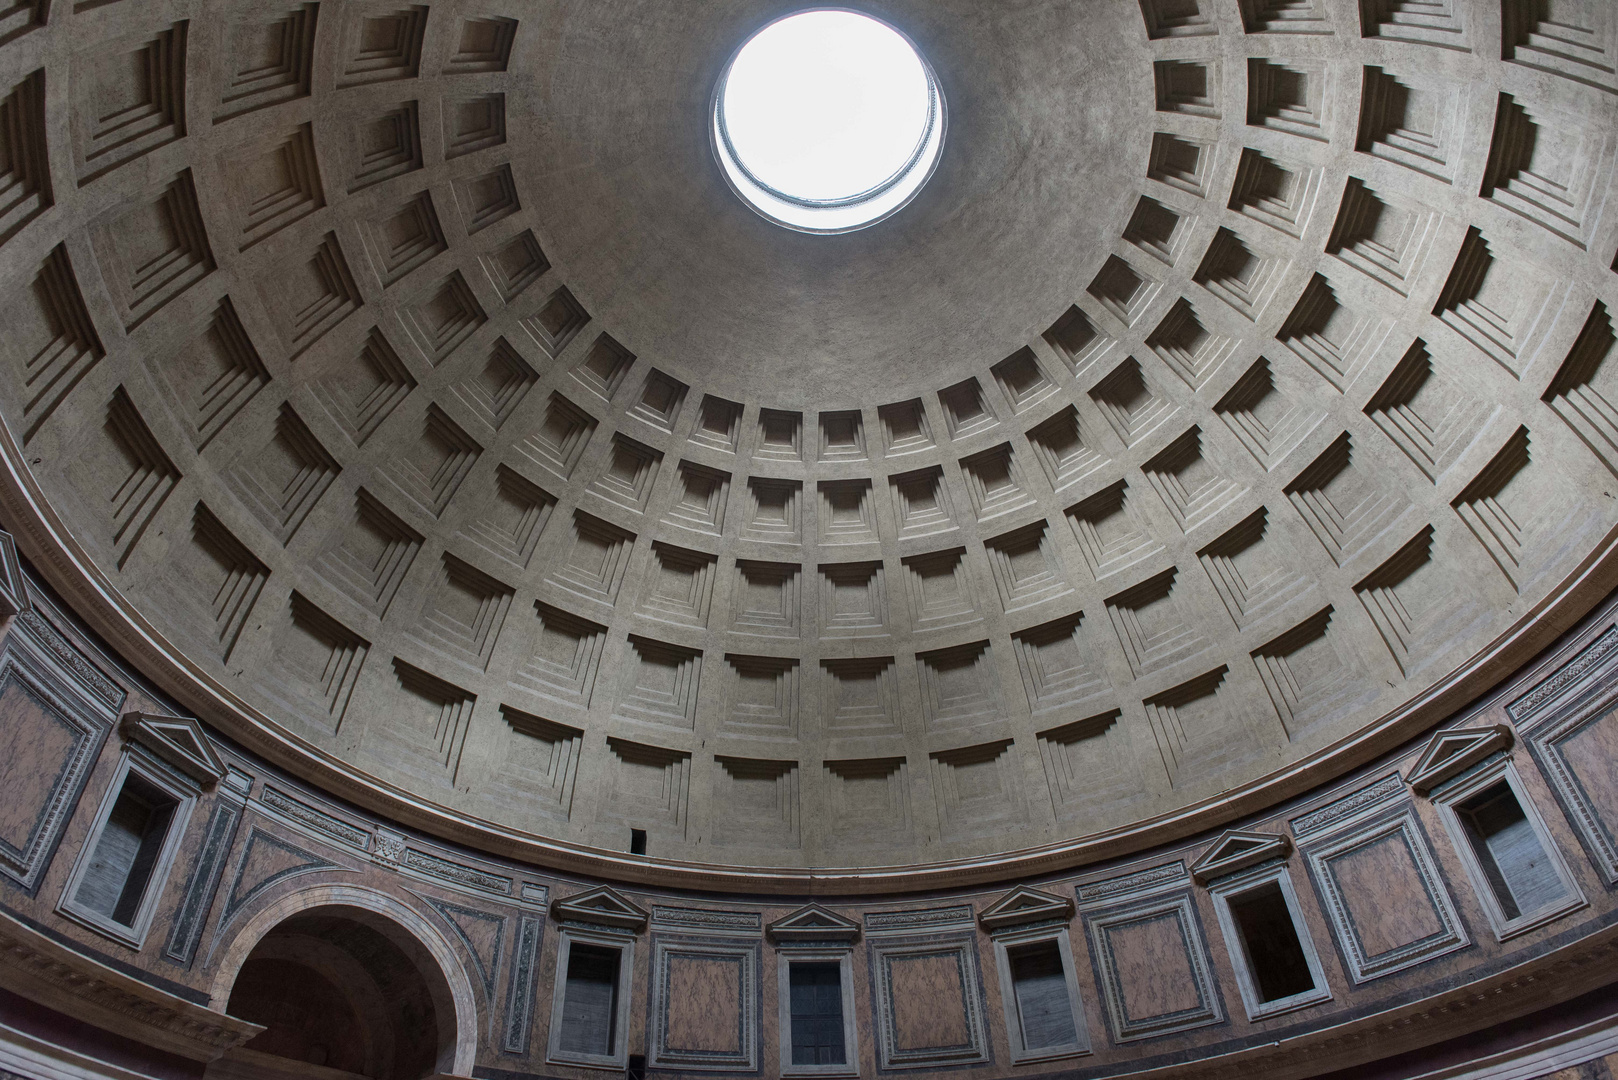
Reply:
x=812, y=923
x=1548, y=688
x=59, y=978
x=601, y=906
x=1452, y=752
x=13, y=589
x=238, y=898
x=273, y=798
x=706, y=919
x=1523, y=988
x=455, y=873
x=178, y=740
x=203, y=885
x=662, y=1053
x=957, y=956
x=1549, y=742
x=1108, y=925
x=392, y=850
x=904, y=922
x=1238, y=850
x=486, y=966
x=1142, y=882
x=86, y=723
x=1022, y=906
x=1400, y=829
x=90, y=678
x=388, y=848
x=522, y=990
x=1374, y=794
x=238, y=785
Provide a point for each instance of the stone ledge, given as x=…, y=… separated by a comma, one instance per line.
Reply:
x=59, y=978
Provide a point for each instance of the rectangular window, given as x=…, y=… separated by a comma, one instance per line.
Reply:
x=815, y=1003
x=1039, y=996
x=1277, y=969
x=1044, y=1011
x=125, y=861
x=1514, y=865
x=1520, y=874
x=1275, y=956
x=126, y=852
x=817, y=1013
x=590, y=1000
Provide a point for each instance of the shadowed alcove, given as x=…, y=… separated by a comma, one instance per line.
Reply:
x=347, y=990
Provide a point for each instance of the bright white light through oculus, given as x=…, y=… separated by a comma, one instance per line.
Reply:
x=827, y=121
x=826, y=105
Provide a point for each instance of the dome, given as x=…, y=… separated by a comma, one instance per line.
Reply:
x=415, y=401
x=513, y=566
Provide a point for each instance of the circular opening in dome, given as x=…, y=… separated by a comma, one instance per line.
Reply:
x=827, y=121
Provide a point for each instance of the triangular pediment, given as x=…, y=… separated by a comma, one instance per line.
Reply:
x=1237, y=850
x=602, y=906
x=1452, y=752
x=813, y=923
x=179, y=741
x=1023, y=905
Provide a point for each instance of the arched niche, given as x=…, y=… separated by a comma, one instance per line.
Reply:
x=348, y=980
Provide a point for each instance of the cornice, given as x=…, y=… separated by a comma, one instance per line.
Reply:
x=1546, y=980
x=59, y=978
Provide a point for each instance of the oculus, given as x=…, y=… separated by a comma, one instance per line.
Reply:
x=827, y=121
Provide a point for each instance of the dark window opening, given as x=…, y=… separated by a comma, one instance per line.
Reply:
x=1044, y=1011
x=1519, y=871
x=637, y=841
x=590, y=1001
x=126, y=853
x=1275, y=957
x=817, y=1013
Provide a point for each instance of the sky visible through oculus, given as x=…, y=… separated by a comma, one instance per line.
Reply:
x=826, y=105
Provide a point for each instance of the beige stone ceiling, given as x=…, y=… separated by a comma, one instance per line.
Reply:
x=1049, y=118
x=403, y=387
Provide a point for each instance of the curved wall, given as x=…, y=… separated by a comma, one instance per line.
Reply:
x=367, y=388
x=1223, y=439
x=1414, y=966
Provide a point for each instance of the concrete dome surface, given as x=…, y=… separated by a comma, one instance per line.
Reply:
x=406, y=388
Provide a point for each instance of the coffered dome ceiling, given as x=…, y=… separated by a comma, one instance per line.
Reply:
x=406, y=390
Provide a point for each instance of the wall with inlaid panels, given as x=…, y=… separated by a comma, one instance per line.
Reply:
x=1406, y=935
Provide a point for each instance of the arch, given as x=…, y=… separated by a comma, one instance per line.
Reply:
x=462, y=1000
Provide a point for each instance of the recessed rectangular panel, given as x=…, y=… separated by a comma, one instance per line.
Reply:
x=929, y=1007
x=929, y=1003
x=1153, y=967
x=1386, y=903
x=51, y=735
x=1577, y=751
x=705, y=1005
